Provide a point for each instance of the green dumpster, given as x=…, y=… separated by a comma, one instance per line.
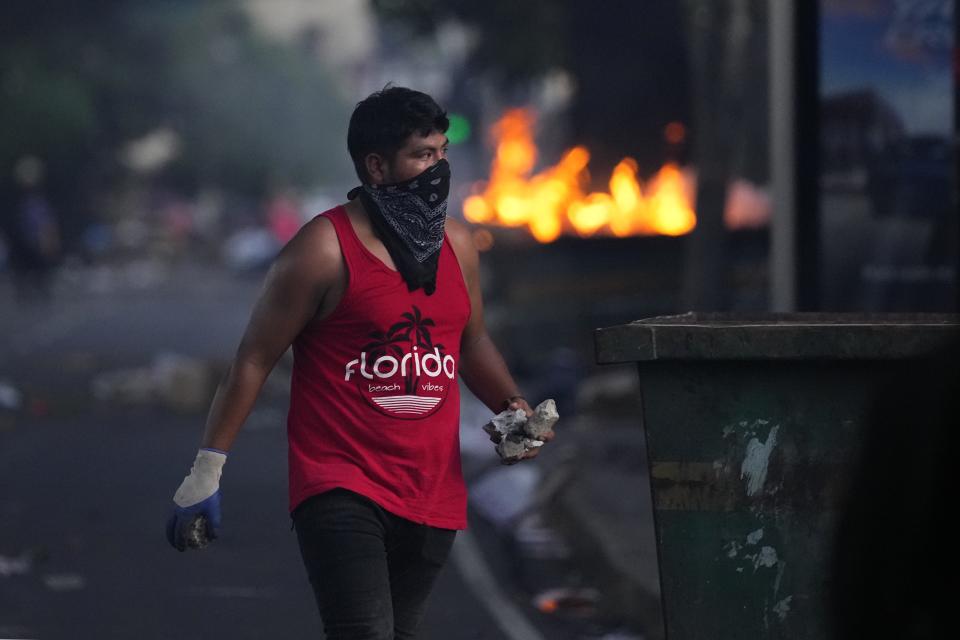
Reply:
x=753, y=426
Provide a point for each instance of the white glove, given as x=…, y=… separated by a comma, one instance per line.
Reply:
x=196, y=516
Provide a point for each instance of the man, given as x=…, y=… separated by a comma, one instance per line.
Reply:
x=380, y=299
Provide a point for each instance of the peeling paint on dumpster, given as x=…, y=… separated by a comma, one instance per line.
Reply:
x=756, y=460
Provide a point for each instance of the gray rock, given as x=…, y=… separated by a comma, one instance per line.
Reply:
x=515, y=435
x=543, y=419
x=512, y=447
x=505, y=423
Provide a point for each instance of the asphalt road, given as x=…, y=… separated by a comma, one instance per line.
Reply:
x=86, y=485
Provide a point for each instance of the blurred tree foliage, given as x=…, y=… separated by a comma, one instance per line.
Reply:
x=519, y=39
x=81, y=80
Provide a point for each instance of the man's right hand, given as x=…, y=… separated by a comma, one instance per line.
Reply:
x=198, y=497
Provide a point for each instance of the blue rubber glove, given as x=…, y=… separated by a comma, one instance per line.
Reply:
x=196, y=515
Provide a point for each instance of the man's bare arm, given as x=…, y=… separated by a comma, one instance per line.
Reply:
x=294, y=288
x=481, y=365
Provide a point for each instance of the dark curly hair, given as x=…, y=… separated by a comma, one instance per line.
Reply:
x=383, y=121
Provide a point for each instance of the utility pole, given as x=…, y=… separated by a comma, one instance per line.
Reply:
x=783, y=253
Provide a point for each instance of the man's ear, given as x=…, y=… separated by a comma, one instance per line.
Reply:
x=376, y=168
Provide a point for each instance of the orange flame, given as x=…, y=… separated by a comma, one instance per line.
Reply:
x=553, y=201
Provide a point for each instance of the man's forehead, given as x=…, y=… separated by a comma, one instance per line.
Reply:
x=434, y=139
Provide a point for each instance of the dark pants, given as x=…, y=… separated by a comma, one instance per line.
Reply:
x=371, y=571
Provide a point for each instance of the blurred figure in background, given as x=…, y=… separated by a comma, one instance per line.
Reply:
x=283, y=216
x=33, y=234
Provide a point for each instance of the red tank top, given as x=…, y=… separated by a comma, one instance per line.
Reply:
x=374, y=400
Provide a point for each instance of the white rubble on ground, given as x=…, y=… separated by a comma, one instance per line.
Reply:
x=10, y=397
x=64, y=581
x=176, y=381
x=515, y=434
x=111, y=279
x=21, y=565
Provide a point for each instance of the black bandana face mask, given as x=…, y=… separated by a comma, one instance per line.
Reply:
x=409, y=218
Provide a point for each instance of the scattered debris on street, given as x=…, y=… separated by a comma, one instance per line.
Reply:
x=176, y=381
x=574, y=601
x=10, y=397
x=18, y=566
x=64, y=582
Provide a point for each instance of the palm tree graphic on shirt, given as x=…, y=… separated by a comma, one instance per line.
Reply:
x=414, y=330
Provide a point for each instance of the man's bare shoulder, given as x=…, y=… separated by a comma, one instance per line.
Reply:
x=460, y=234
x=461, y=237
x=319, y=234
x=314, y=250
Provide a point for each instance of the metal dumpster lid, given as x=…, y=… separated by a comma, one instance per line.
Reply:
x=777, y=336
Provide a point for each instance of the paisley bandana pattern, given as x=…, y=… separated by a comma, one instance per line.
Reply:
x=409, y=217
